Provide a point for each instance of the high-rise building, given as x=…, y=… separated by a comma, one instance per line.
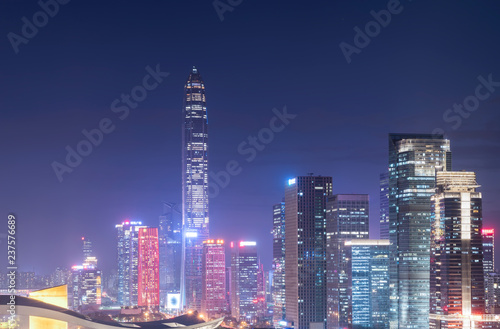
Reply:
x=278, y=266
x=368, y=275
x=195, y=188
x=493, y=293
x=245, y=269
x=228, y=289
x=413, y=160
x=214, y=279
x=127, y=261
x=85, y=288
x=488, y=235
x=384, y=205
x=457, y=279
x=347, y=218
x=148, y=273
x=86, y=247
x=305, y=243
x=170, y=239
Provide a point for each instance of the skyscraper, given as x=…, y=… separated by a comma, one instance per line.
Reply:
x=127, y=259
x=457, y=279
x=488, y=235
x=347, y=218
x=195, y=188
x=278, y=265
x=86, y=247
x=368, y=275
x=245, y=270
x=305, y=264
x=384, y=205
x=413, y=160
x=148, y=269
x=214, y=279
x=170, y=239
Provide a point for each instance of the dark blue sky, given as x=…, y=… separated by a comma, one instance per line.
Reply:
x=263, y=55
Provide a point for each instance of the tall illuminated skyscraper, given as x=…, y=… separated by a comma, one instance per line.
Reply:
x=278, y=265
x=488, y=235
x=148, y=269
x=457, y=279
x=245, y=269
x=413, y=160
x=384, y=205
x=213, y=303
x=127, y=259
x=305, y=254
x=347, y=218
x=195, y=188
x=170, y=238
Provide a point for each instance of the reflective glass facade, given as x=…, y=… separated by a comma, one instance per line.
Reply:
x=278, y=266
x=347, y=218
x=457, y=279
x=305, y=250
x=195, y=188
x=413, y=160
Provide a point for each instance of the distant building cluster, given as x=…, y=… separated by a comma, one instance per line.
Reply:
x=433, y=266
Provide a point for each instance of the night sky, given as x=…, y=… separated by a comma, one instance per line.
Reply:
x=263, y=55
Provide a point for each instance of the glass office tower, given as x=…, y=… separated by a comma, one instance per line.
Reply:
x=305, y=244
x=278, y=283
x=368, y=269
x=457, y=279
x=214, y=279
x=170, y=239
x=384, y=205
x=149, y=269
x=413, y=160
x=347, y=218
x=128, y=257
x=195, y=188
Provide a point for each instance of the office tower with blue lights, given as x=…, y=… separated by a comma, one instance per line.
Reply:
x=278, y=266
x=170, y=239
x=194, y=189
x=245, y=270
x=413, y=161
x=213, y=303
x=368, y=274
x=127, y=261
x=305, y=242
x=456, y=277
x=384, y=205
x=347, y=218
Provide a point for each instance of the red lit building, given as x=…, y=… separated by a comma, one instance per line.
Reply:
x=149, y=269
x=213, y=279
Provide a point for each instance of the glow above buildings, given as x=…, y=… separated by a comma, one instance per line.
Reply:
x=247, y=243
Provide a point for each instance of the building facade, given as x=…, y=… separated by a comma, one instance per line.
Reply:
x=368, y=267
x=170, y=239
x=195, y=217
x=347, y=218
x=149, y=269
x=384, y=205
x=457, y=279
x=278, y=266
x=413, y=160
x=305, y=254
x=127, y=261
x=214, y=279
x=245, y=269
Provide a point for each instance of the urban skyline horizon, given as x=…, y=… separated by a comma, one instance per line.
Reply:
x=425, y=72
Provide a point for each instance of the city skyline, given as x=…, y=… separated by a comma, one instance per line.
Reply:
x=137, y=166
